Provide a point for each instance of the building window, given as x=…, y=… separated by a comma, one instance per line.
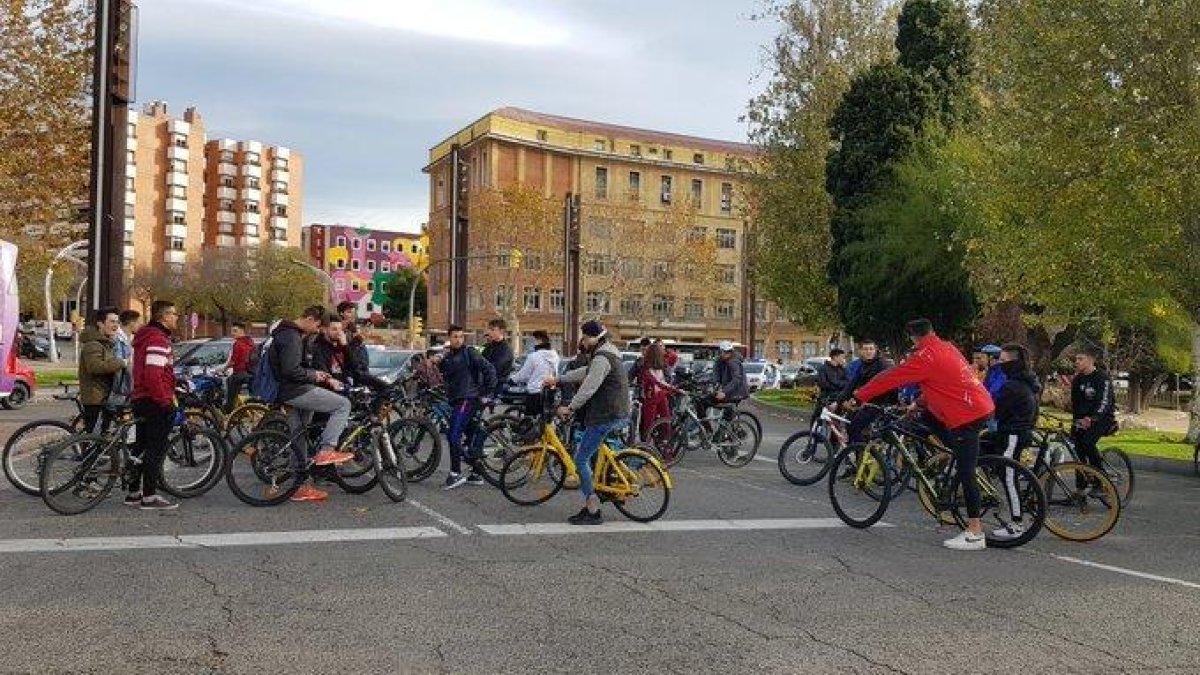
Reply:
x=726, y=238
x=251, y=207
x=178, y=192
x=251, y=230
x=280, y=163
x=635, y=185
x=415, y=248
x=339, y=284
x=666, y=189
x=279, y=210
x=784, y=348
x=370, y=286
x=341, y=242
x=760, y=310
x=226, y=157
x=385, y=266
x=600, y=145
x=810, y=348
x=661, y=270
x=341, y=263
x=370, y=244
x=179, y=140
x=370, y=265
x=697, y=192
x=226, y=228
x=501, y=297
x=697, y=234
x=542, y=136
x=225, y=205
x=597, y=302
x=633, y=268
x=728, y=274
x=280, y=234
x=667, y=154
x=129, y=184
x=698, y=158
x=598, y=265
x=760, y=348
x=175, y=243
x=354, y=285
x=178, y=218
x=253, y=183
x=601, y=182
x=632, y=305
x=663, y=305
x=355, y=243
x=557, y=300
x=178, y=166
x=253, y=159
x=726, y=197
x=385, y=247
x=129, y=211
x=440, y=192
x=130, y=157
x=228, y=182
x=533, y=299
x=724, y=309
x=635, y=150
x=354, y=265
x=693, y=308
x=533, y=262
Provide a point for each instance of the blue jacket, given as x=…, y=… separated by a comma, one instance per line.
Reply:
x=467, y=374
x=995, y=380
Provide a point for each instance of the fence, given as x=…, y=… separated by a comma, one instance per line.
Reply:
x=1164, y=398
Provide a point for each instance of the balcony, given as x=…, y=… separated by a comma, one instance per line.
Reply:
x=280, y=198
x=226, y=217
x=131, y=142
x=252, y=170
x=252, y=194
x=226, y=169
x=177, y=152
x=226, y=193
x=129, y=223
x=226, y=241
x=172, y=257
x=176, y=204
x=250, y=240
x=279, y=234
x=179, y=127
x=281, y=173
x=279, y=221
x=176, y=230
x=130, y=197
x=177, y=178
x=251, y=219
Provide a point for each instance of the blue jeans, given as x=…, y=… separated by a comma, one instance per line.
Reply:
x=463, y=422
x=588, y=446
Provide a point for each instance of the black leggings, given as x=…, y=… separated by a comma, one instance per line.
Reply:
x=1086, y=441
x=964, y=442
x=153, y=430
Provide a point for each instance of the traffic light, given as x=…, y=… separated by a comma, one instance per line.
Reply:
x=417, y=326
x=463, y=184
x=515, y=258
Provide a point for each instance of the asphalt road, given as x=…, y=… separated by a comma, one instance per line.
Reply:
x=747, y=574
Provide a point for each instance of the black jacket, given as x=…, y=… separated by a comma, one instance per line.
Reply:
x=831, y=380
x=1092, y=396
x=866, y=372
x=730, y=375
x=287, y=360
x=343, y=362
x=1017, y=400
x=467, y=374
x=500, y=355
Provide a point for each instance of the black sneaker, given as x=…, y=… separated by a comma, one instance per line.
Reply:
x=157, y=503
x=585, y=517
x=454, y=480
x=133, y=499
x=475, y=479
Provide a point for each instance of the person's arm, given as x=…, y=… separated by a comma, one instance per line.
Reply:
x=596, y=372
x=98, y=361
x=528, y=370
x=158, y=373
x=290, y=352
x=912, y=371
x=485, y=371
x=574, y=376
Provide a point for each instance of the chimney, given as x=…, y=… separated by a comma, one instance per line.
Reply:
x=191, y=115
x=157, y=109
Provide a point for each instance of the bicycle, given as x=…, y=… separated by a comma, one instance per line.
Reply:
x=673, y=437
x=24, y=447
x=1054, y=433
x=1082, y=502
x=861, y=482
x=630, y=478
x=262, y=469
x=805, y=457
x=79, y=472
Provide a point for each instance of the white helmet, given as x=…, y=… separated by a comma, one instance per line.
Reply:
x=725, y=346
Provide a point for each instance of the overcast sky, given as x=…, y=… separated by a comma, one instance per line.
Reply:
x=363, y=88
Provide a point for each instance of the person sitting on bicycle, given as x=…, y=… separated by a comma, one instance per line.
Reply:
x=603, y=401
x=308, y=391
x=240, y=365
x=470, y=382
x=958, y=403
x=331, y=352
x=869, y=364
x=730, y=376
x=540, y=364
x=1093, y=406
x=1016, y=413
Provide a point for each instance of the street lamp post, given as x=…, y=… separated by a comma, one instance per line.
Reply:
x=514, y=255
x=68, y=252
x=325, y=277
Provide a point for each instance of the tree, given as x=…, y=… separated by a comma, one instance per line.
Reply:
x=934, y=43
x=45, y=71
x=399, y=286
x=823, y=44
x=33, y=258
x=281, y=289
x=218, y=285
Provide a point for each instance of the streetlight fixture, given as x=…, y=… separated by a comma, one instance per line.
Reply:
x=325, y=277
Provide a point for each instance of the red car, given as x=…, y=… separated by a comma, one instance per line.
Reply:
x=17, y=383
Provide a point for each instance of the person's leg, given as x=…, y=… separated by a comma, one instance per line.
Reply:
x=1012, y=446
x=1087, y=445
x=965, y=444
x=234, y=385
x=589, y=445
x=158, y=427
x=459, y=418
x=859, y=423
x=91, y=418
x=142, y=411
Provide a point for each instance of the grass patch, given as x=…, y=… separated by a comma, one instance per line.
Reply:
x=1151, y=444
x=55, y=378
x=791, y=398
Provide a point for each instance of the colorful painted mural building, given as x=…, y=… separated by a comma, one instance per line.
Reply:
x=363, y=262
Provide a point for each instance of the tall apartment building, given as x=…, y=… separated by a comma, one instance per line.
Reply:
x=645, y=197
x=185, y=193
x=361, y=261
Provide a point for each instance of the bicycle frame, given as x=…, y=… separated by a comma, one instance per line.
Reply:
x=605, y=460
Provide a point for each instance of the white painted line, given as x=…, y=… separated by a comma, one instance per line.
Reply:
x=1127, y=572
x=218, y=540
x=446, y=522
x=667, y=526
x=772, y=460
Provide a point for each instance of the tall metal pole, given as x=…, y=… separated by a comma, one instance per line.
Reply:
x=66, y=253
x=325, y=276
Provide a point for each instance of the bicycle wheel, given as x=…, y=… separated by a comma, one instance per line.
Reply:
x=79, y=472
x=938, y=502
x=194, y=461
x=1120, y=471
x=419, y=446
x=753, y=420
x=667, y=442
x=359, y=475
x=501, y=438
x=649, y=490
x=805, y=457
x=391, y=474
x=23, y=452
x=244, y=420
x=859, y=490
x=533, y=475
x=736, y=442
x=261, y=469
x=1012, y=505
x=1079, y=513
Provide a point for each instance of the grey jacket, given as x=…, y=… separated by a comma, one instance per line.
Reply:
x=603, y=394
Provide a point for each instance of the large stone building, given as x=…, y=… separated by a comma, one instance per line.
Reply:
x=662, y=232
x=184, y=192
x=361, y=261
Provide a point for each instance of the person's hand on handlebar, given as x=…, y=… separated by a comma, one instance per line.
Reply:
x=550, y=382
x=564, y=412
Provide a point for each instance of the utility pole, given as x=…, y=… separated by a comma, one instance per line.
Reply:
x=112, y=92
x=460, y=174
x=571, y=291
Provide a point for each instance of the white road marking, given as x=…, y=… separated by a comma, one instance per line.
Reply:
x=445, y=521
x=667, y=526
x=1127, y=572
x=217, y=540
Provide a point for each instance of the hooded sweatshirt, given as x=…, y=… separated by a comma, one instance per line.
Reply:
x=1017, y=400
x=154, y=366
x=98, y=365
x=539, y=364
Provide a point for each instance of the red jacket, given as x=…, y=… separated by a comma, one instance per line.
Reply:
x=154, y=366
x=948, y=384
x=239, y=356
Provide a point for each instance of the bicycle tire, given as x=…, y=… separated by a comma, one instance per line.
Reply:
x=805, y=457
x=268, y=458
x=390, y=472
x=91, y=467
x=752, y=419
x=21, y=462
x=1120, y=471
x=538, y=468
x=737, y=431
x=244, y=420
x=1067, y=503
x=1032, y=497
x=933, y=468
x=859, y=480
x=499, y=445
x=417, y=442
x=666, y=441
x=359, y=475
x=642, y=467
x=182, y=451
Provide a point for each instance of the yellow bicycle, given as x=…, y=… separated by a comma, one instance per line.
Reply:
x=633, y=480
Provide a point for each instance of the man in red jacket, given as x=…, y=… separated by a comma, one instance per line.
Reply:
x=153, y=403
x=956, y=399
x=239, y=365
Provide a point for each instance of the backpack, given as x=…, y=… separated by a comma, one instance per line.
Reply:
x=264, y=385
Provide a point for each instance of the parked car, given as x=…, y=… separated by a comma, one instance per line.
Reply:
x=18, y=384
x=204, y=352
x=795, y=375
x=389, y=364
x=760, y=375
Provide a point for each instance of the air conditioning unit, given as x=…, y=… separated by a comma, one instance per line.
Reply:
x=666, y=196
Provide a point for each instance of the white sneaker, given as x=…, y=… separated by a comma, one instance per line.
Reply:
x=966, y=541
x=1012, y=531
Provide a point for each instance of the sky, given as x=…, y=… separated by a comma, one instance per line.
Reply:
x=364, y=88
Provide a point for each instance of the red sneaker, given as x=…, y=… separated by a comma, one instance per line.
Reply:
x=326, y=457
x=308, y=493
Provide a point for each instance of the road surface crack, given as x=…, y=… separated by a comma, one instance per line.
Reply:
x=216, y=654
